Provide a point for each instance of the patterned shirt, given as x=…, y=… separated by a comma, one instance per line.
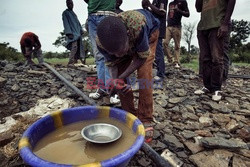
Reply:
x=140, y=25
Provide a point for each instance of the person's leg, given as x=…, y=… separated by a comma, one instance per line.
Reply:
x=77, y=55
x=200, y=67
x=102, y=71
x=29, y=56
x=205, y=57
x=81, y=52
x=72, y=53
x=159, y=59
x=177, y=40
x=166, y=44
x=217, y=53
x=226, y=55
x=39, y=56
x=145, y=106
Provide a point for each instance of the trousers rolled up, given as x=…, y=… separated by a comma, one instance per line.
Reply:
x=144, y=73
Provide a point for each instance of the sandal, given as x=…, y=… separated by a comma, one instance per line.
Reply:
x=149, y=132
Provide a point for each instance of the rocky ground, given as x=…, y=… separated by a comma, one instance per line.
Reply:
x=190, y=129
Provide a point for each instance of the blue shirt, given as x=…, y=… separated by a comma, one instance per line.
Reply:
x=71, y=26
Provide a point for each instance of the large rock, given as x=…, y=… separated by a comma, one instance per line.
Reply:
x=173, y=142
x=206, y=121
x=216, y=158
x=5, y=138
x=239, y=161
x=193, y=147
x=2, y=82
x=232, y=126
x=217, y=142
x=176, y=100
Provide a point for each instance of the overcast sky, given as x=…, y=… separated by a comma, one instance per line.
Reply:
x=44, y=18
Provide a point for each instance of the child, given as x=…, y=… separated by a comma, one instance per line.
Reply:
x=133, y=48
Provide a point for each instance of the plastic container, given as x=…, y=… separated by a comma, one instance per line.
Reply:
x=58, y=119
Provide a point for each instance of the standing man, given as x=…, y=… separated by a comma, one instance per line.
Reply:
x=176, y=10
x=73, y=31
x=97, y=11
x=212, y=32
x=159, y=10
x=30, y=44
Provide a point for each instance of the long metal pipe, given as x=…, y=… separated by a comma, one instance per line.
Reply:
x=238, y=76
x=78, y=91
x=159, y=161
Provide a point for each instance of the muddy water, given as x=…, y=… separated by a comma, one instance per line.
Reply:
x=66, y=145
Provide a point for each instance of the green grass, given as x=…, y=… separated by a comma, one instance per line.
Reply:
x=64, y=61
x=194, y=64
x=241, y=64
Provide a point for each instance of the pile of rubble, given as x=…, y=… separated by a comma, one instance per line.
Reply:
x=191, y=130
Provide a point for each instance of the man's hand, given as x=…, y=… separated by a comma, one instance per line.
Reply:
x=222, y=31
x=145, y=4
x=70, y=36
x=28, y=53
x=118, y=86
x=177, y=8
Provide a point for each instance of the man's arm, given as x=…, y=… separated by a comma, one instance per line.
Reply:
x=223, y=30
x=198, y=5
x=159, y=11
x=37, y=43
x=118, y=84
x=184, y=12
x=23, y=50
x=66, y=25
x=229, y=11
x=113, y=70
x=135, y=64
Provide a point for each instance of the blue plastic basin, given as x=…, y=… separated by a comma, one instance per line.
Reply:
x=58, y=119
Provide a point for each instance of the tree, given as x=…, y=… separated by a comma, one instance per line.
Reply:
x=194, y=50
x=9, y=53
x=183, y=50
x=188, y=32
x=61, y=41
x=240, y=33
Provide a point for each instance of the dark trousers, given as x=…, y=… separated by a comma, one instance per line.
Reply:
x=159, y=59
x=75, y=52
x=226, y=55
x=226, y=58
x=212, y=58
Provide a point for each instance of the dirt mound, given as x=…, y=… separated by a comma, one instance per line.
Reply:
x=193, y=129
